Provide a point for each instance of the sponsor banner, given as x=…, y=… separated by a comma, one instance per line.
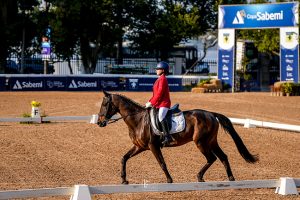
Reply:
x=146, y=84
x=55, y=83
x=26, y=83
x=82, y=84
x=226, y=43
x=289, y=51
x=259, y=15
x=2, y=83
x=70, y=83
x=112, y=83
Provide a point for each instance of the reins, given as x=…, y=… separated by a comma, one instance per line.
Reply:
x=115, y=108
x=110, y=121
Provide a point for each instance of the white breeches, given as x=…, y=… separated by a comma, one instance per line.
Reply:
x=162, y=112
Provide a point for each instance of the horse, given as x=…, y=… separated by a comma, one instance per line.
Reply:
x=201, y=128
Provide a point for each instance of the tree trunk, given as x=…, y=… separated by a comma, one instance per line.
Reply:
x=69, y=65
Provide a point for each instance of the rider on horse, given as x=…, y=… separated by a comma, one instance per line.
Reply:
x=161, y=99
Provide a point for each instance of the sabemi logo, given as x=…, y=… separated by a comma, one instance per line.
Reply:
x=239, y=17
x=83, y=84
x=29, y=84
x=73, y=84
x=17, y=86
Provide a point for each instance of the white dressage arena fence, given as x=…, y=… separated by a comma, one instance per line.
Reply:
x=284, y=186
x=247, y=123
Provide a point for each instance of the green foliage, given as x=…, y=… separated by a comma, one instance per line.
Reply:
x=159, y=27
x=291, y=88
x=26, y=115
x=203, y=81
x=94, y=28
x=226, y=86
x=265, y=40
x=288, y=87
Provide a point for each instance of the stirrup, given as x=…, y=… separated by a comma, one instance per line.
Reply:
x=167, y=141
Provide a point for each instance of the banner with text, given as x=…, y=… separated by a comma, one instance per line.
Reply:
x=146, y=84
x=259, y=15
x=226, y=41
x=289, y=51
x=26, y=83
x=85, y=83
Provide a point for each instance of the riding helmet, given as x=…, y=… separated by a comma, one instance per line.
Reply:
x=163, y=65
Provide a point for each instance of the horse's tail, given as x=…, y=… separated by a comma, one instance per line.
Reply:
x=228, y=127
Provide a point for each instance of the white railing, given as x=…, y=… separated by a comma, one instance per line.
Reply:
x=284, y=186
x=247, y=123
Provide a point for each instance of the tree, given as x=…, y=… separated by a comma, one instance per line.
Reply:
x=17, y=28
x=162, y=24
x=265, y=40
x=8, y=22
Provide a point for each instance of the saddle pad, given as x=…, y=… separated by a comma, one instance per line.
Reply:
x=178, y=123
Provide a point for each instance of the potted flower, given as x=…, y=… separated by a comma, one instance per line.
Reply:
x=35, y=110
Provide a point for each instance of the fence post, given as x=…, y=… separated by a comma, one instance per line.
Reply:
x=287, y=186
x=81, y=192
x=248, y=124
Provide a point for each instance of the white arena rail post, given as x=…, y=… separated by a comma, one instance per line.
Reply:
x=287, y=186
x=94, y=119
x=81, y=192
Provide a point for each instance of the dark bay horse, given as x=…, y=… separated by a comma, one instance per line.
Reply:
x=201, y=127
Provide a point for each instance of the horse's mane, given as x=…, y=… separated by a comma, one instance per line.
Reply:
x=130, y=101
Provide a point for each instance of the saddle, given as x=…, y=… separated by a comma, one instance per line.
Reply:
x=175, y=119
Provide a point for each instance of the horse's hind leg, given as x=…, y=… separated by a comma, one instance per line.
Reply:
x=159, y=157
x=223, y=158
x=135, y=150
x=211, y=158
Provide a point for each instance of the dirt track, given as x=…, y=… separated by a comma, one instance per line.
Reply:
x=63, y=154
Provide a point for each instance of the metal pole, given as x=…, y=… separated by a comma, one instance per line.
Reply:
x=46, y=66
x=23, y=49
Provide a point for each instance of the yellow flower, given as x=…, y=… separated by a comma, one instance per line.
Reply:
x=35, y=104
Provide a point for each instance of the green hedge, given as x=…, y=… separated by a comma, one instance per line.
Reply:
x=291, y=88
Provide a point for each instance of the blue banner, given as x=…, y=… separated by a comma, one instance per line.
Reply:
x=82, y=84
x=112, y=83
x=259, y=15
x=146, y=84
x=225, y=56
x=26, y=84
x=55, y=83
x=2, y=83
x=289, y=51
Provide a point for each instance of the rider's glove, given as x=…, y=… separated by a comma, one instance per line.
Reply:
x=148, y=105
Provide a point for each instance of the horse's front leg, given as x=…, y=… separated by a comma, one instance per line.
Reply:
x=159, y=157
x=135, y=150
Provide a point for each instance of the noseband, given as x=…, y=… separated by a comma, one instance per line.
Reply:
x=114, y=109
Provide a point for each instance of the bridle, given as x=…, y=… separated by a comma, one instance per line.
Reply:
x=115, y=109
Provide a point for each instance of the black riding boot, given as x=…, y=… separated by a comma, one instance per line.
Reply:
x=166, y=130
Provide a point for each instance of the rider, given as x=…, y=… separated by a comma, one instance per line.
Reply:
x=161, y=99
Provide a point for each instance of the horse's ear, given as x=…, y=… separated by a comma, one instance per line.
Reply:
x=106, y=93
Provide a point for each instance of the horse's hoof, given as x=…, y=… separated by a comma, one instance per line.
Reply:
x=201, y=180
x=170, y=181
x=125, y=182
x=231, y=178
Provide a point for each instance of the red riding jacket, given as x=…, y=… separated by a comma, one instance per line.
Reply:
x=161, y=93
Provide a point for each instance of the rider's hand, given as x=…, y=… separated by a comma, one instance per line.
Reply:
x=148, y=105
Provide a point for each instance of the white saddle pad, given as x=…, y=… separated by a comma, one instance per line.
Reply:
x=178, y=124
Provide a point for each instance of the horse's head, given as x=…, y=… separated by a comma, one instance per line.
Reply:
x=107, y=110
